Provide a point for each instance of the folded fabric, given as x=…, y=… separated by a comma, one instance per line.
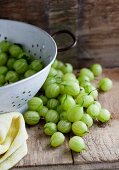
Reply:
x=14, y=158
x=13, y=138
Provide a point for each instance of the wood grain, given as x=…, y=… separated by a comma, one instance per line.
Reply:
x=40, y=152
x=98, y=33
x=64, y=15
x=94, y=166
x=95, y=23
x=34, y=12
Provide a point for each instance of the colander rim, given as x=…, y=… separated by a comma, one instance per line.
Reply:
x=25, y=79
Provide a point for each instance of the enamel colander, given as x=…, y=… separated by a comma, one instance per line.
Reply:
x=37, y=43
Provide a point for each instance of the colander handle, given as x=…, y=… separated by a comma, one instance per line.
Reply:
x=73, y=44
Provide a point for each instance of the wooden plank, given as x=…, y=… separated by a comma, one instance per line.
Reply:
x=34, y=12
x=40, y=152
x=94, y=23
x=63, y=15
x=111, y=63
x=98, y=33
x=105, y=166
x=103, y=143
x=94, y=166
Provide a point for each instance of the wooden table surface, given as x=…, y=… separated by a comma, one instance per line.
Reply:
x=102, y=142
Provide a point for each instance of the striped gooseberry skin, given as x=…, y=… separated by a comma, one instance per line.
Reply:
x=36, y=65
x=64, y=126
x=87, y=72
x=50, y=128
x=84, y=100
x=11, y=77
x=63, y=115
x=3, y=70
x=105, y=84
x=2, y=80
x=52, y=103
x=49, y=80
x=4, y=46
x=11, y=62
x=90, y=89
x=104, y=115
x=52, y=116
x=83, y=78
x=31, y=117
x=52, y=91
x=15, y=50
x=57, y=139
x=87, y=119
x=77, y=144
x=79, y=128
x=44, y=99
x=75, y=113
x=29, y=73
x=96, y=69
x=68, y=77
x=35, y=104
x=20, y=66
x=93, y=110
x=70, y=87
x=3, y=58
x=67, y=102
x=42, y=112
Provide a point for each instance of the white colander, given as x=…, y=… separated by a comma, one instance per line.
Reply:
x=38, y=43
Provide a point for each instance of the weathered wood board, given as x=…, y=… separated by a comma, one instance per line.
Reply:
x=102, y=142
x=40, y=152
x=95, y=23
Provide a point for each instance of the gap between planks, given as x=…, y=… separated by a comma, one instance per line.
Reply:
x=94, y=166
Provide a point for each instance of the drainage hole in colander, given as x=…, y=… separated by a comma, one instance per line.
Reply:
x=13, y=105
x=29, y=51
x=29, y=91
x=37, y=45
x=5, y=38
x=19, y=105
x=25, y=100
x=32, y=46
x=34, y=54
x=22, y=99
x=40, y=50
x=13, y=102
x=0, y=35
x=40, y=57
x=29, y=94
x=23, y=92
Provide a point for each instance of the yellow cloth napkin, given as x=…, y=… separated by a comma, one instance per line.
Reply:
x=13, y=138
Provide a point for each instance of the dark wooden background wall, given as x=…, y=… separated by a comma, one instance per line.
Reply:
x=94, y=22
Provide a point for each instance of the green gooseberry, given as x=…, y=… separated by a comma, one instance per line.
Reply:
x=50, y=128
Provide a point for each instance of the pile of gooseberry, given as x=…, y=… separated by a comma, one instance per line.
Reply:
x=15, y=63
x=69, y=103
